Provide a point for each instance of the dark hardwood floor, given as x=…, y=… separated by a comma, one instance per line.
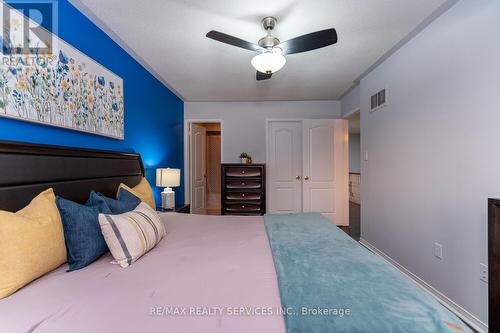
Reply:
x=354, y=228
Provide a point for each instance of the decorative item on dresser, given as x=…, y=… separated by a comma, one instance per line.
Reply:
x=243, y=189
x=245, y=158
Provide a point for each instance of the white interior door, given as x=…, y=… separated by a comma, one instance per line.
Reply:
x=284, y=166
x=198, y=145
x=325, y=168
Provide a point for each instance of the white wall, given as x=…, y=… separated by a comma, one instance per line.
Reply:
x=354, y=153
x=434, y=151
x=244, y=123
x=350, y=102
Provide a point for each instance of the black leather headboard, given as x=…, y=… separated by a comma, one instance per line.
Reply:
x=28, y=169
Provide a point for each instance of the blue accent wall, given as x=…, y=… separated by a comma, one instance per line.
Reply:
x=153, y=114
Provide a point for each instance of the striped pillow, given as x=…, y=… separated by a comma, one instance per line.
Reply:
x=132, y=234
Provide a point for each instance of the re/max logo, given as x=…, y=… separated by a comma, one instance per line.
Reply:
x=27, y=26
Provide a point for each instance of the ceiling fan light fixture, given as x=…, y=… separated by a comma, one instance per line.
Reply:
x=269, y=61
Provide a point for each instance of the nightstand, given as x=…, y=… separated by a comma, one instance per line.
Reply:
x=181, y=208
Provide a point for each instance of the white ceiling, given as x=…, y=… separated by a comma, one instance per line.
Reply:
x=169, y=36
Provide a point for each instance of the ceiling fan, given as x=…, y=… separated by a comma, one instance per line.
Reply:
x=271, y=52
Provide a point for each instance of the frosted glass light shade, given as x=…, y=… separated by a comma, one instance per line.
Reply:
x=269, y=61
x=166, y=177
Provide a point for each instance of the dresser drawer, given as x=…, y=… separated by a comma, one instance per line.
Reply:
x=243, y=196
x=243, y=172
x=243, y=208
x=243, y=184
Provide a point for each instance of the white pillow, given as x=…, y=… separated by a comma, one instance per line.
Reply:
x=132, y=234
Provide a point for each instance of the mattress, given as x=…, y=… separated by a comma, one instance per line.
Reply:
x=209, y=274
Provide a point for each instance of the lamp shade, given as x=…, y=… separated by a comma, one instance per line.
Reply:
x=166, y=177
x=269, y=61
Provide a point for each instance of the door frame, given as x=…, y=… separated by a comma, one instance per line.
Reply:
x=268, y=121
x=187, y=152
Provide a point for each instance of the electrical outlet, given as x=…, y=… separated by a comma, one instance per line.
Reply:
x=484, y=273
x=438, y=250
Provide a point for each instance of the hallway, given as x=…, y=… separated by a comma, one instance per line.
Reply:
x=354, y=220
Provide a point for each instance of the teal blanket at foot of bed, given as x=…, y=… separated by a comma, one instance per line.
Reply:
x=330, y=283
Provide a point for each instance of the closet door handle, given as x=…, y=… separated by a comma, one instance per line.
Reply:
x=306, y=177
x=297, y=177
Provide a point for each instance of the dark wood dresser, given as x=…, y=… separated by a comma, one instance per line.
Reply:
x=494, y=265
x=243, y=189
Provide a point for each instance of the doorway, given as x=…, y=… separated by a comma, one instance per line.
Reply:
x=203, y=158
x=354, y=175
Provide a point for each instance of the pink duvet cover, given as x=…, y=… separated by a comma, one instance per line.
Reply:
x=209, y=274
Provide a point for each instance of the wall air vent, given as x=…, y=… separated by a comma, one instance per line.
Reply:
x=378, y=101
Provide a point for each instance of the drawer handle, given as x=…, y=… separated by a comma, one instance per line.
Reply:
x=243, y=171
x=242, y=206
x=243, y=195
x=243, y=184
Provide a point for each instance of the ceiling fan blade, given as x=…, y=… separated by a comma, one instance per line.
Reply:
x=231, y=40
x=312, y=41
x=263, y=76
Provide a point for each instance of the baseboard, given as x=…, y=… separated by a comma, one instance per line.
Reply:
x=463, y=314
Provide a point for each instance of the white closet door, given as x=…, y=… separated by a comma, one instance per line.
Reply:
x=325, y=169
x=284, y=167
x=198, y=169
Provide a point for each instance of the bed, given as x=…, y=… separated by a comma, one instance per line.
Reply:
x=209, y=274
x=185, y=271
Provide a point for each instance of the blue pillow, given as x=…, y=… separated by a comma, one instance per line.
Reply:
x=97, y=200
x=82, y=232
x=112, y=206
x=124, y=195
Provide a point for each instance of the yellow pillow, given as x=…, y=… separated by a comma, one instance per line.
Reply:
x=31, y=243
x=143, y=191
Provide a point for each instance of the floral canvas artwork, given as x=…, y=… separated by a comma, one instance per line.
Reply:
x=66, y=89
